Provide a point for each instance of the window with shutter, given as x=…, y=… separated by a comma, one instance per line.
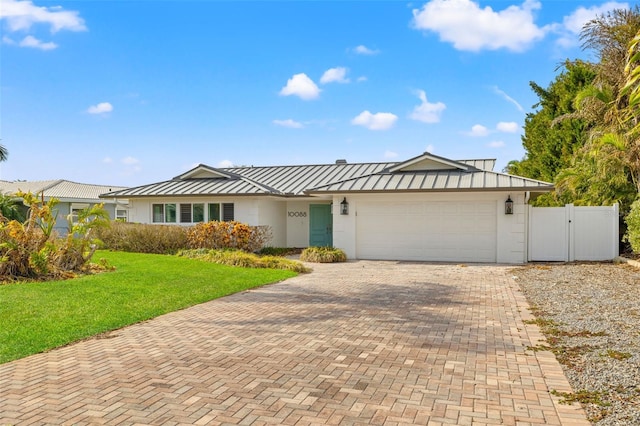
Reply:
x=227, y=212
x=185, y=213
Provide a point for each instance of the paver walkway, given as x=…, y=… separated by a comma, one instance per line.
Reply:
x=355, y=343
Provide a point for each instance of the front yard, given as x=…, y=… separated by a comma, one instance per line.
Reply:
x=39, y=316
x=590, y=315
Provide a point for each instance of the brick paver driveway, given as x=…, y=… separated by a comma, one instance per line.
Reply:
x=355, y=343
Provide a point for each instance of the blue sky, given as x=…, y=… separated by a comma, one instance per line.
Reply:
x=134, y=92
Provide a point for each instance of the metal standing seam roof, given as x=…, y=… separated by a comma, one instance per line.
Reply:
x=269, y=180
x=436, y=180
x=304, y=180
x=60, y=189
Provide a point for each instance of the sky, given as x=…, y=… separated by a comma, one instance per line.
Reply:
x=127, y=93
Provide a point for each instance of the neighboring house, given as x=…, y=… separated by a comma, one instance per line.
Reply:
x=427, y=208
x=72, y=197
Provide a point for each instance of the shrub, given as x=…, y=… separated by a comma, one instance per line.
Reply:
x=633, y=226
x=32, y=250
x=323, y=255
x=141, y=238
x=235, y=235
x=279, y=251
x=243, y=259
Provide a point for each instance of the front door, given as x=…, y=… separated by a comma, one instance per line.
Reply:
x=320, y=225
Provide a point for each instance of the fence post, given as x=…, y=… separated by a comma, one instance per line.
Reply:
x=616, y=230
x=571, y=218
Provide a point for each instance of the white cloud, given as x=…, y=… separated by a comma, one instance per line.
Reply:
x=22, y=15
x=427, y=112
x=292, y=124
x=101, y=108
x=390, y=154
x=362, y=78
x=572, y=24
x=471, y=28
x=302, y=86
x=334, y=75
x=130, y=161
x=225, y=163
x=378, y=121
x=31, y=41
x=495, y=144
x=430, y=148
x=508, y=98
x=478, y=130
x=507, y=127
x=364, y=50
x=107, y=160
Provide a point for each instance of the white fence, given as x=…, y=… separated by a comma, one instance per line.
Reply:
x=569, y=233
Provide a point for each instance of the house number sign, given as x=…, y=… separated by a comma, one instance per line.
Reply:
x=297, y=214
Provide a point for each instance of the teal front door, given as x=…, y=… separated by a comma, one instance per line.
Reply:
x=320, y=225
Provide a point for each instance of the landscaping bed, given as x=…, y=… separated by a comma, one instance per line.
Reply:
x=590, y=315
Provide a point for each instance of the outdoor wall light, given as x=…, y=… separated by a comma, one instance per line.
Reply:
x=508, y=206
x=344, y=206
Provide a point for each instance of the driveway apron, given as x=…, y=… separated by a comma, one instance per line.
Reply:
x=361, y=342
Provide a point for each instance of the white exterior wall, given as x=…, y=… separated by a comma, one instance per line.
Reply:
x=511, y=229
x=273, y=213
x=254, y=211
x=297, y=217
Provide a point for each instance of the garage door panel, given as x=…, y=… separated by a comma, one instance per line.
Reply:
x=430, y=231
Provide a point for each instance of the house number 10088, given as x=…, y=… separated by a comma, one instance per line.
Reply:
x=297, y=214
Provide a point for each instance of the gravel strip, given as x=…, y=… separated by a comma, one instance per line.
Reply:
x=590, y=315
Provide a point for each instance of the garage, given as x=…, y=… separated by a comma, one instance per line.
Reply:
x=423, y=230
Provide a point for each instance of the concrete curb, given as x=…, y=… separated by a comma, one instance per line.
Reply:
x=619, y=259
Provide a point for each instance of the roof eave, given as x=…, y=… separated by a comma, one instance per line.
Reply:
x=461, y=190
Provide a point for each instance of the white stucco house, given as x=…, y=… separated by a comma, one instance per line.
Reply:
x=427, y=208
x=71, y=196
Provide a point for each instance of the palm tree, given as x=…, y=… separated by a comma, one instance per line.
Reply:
x=4, y=154
x=612, y=146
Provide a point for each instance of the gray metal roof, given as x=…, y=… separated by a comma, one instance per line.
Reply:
x=437, y=180
x=270, y=180
x=63, y=190
x=426, y=172
x=483, y=164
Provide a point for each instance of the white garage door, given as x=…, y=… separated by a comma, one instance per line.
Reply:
x=450, y=231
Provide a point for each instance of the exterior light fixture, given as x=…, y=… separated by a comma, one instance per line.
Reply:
x=508, y=206
x=344, y=206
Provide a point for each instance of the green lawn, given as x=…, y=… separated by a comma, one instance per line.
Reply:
x=35, y=317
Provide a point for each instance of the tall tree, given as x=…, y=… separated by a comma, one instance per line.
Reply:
x=550, y=143
x=4, y=154
x=612, y=145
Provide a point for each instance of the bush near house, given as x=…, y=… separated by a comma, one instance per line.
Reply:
x=633, y=226
x=169, y=239
x=323, y=255
x=141, y=238
x=234, y=235
x=31, y=249
x=233, y=257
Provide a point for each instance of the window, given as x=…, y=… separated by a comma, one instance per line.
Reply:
x=214, y=212
x=158, y=213
x=121, y=215
x=227, y=212
x=198, y=213
x=170, y=213
x=224, y=212
x=185, y=213
x=164, y=213
x=75, y=209
x=191, y=213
